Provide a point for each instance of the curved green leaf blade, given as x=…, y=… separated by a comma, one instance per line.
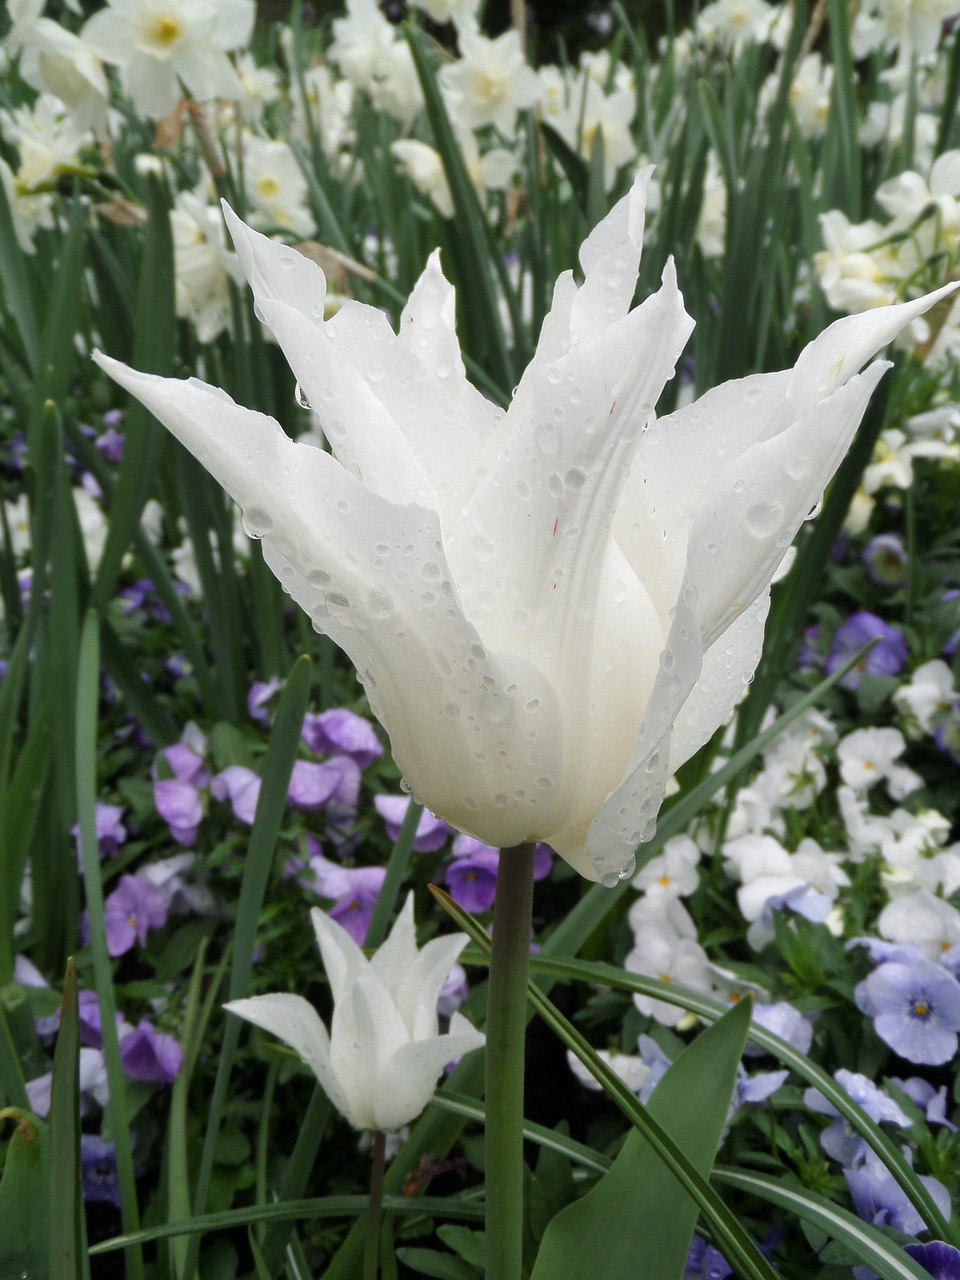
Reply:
x=638, y=1220
x=872, y=1248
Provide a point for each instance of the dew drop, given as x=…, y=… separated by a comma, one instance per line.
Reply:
x=610, y=879
x=380, y=603
x=300, y=398
x=575, y=478
x=430, y=571
x=532, y=705
x=256, y=522
x=405, y=787
x=523, y=490
x=814, y=511
x=452, y=711
x=629, y=867
x=764, y=518
x=555, y=484
x=482, y=546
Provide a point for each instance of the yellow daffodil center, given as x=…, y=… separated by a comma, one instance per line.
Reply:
x=166, y=30
x=268, y=188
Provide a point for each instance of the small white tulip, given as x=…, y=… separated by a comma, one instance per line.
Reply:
x=381, y=1059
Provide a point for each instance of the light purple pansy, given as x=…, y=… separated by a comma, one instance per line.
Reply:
x=241, y=786
x=886, y=658
x=839, y=1140
x=261, y=691
x=915, y=1009
x=150, y=1055
x=98, y=1170
x=312, y=785
x=431, y=834
x=129, y=912
x=342, y=732
x=180, y=806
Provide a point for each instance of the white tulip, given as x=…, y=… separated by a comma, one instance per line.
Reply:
x=554, y=606
x=380, y=1062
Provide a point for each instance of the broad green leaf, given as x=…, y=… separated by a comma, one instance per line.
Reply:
x=25, y=1197
x=638, y=1220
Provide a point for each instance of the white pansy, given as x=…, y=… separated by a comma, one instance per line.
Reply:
x=160, y=44
x=928, y=694
x=673, y=871
x=921, y=920
x=868, y=756
x=361, y=44
x=631, y=1069
x=670, y=958
x=552, y=607
x=380, y=1061
x=856, y=270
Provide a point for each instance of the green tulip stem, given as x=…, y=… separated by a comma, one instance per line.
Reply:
x=371, y=1252
x=506, y=1024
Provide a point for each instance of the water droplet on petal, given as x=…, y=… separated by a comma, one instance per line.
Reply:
x=610, y=879
x=380, y=603
x=814, y=511
x=300, y=398
x=256, y=522
x=764, y=518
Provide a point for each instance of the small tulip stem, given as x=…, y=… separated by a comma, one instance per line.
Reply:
x=506, y=1025
x=371, y=1252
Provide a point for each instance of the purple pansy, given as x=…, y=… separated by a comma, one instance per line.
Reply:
x=879, y=1198
x=98, y=1170
x=354, y=889
x=109, y=444
x=886, y=658
x=130, y=912
x=312, y=785
x=885, y=560
x=241, y=786
x=704, y=1262
x=839, y=1140
x=179, y=804
x=930, y=1101
x=431, y=833
x=783, y=1020
x=342, y=732
x=940, y=1259
x=915, y=1009
x=472, y=875
x=947, y=734
x=147, y=1054
x=261, y=691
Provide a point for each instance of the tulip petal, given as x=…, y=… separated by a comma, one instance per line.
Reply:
x=846, y=345
x=759, y=501
x=728, y=667
x=276, y=272
x=409, y=1079
x=610, y=257
x=295, y=1021
x=410, y=428
x=365, y=1033
x=374, y=577
x=418, y=994
x=629, y=814
x=533, y=556
x=676, y=464
x=343, y=961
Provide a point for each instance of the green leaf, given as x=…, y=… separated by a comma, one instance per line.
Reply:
x=66, y=1224
x=638, y=1220
x=444, y=1266
x=468, y=1245
x=25, y=1197
x=870, y=1247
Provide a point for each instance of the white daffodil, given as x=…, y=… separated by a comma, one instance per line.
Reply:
x=554, y=606
x=380, y=1061
x=157, y=44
